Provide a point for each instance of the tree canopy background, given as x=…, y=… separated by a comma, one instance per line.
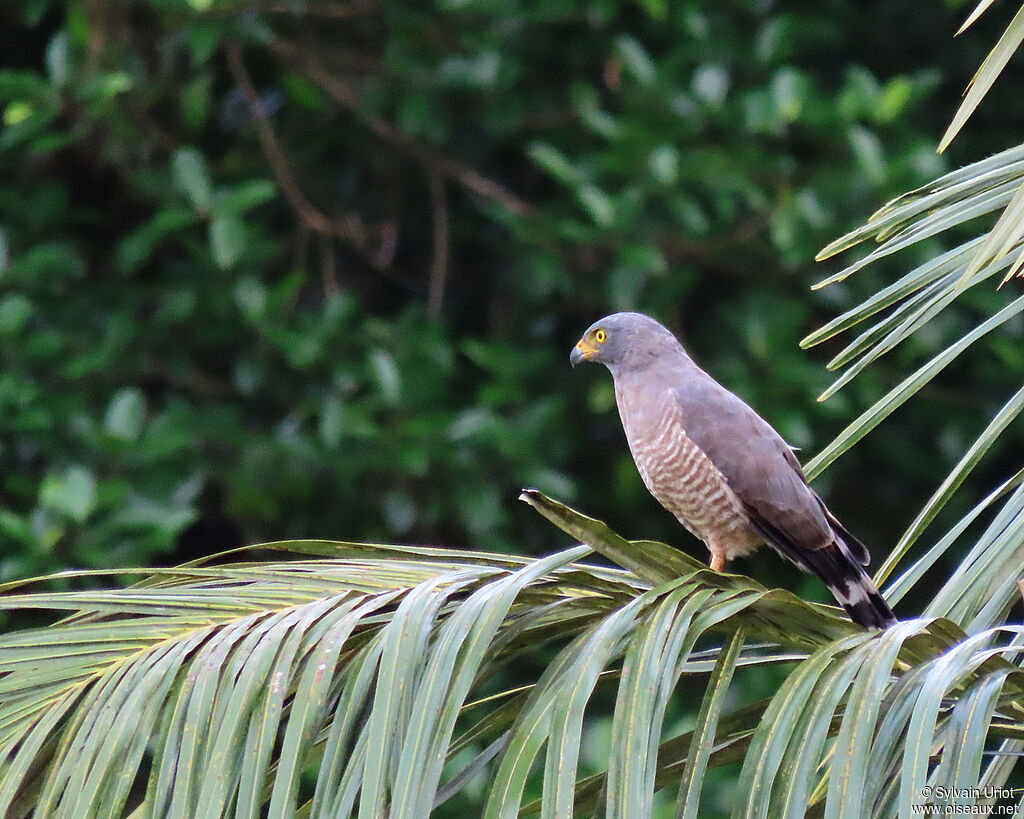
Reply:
x=279, y=270
x=288, y=270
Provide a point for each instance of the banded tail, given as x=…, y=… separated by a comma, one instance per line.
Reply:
x=850, y=585
x=840, y=567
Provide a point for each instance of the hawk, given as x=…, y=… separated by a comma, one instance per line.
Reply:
x=719, y=467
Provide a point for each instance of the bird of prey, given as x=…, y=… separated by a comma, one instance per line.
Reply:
x=719, y=467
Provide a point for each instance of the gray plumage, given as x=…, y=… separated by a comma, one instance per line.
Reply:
x=721, y=469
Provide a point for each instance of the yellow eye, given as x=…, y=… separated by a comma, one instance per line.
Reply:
x=600, y=336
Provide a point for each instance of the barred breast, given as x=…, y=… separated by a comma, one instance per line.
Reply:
x=680, y=475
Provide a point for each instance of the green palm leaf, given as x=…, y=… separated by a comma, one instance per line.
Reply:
x=899, y=310
x=209, y=690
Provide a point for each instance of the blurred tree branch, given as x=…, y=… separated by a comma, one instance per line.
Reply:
x=350, y=227
x=709, y=251
x=331, y=11
x=348, y=97
x=439, y=265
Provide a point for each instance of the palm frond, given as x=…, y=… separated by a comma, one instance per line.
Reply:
x=702, y=744
x=981, y=591
x=221, y=689
x=898, y=311
x=914, y=573
x=906, y=389
x=990, y=69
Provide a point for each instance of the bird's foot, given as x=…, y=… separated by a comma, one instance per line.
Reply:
x=718, y=563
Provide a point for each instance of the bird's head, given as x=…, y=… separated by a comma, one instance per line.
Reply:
x=632, y=340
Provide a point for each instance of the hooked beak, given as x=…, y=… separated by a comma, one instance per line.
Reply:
x=581, y=352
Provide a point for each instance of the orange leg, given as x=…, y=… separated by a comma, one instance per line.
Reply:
x=718, y=563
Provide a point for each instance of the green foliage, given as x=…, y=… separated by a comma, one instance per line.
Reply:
x=359, y=680
x=295, y=268
x=261, y=264
x=943, y=206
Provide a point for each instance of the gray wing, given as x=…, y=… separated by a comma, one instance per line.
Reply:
x=766, y=477
x=758, y=464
